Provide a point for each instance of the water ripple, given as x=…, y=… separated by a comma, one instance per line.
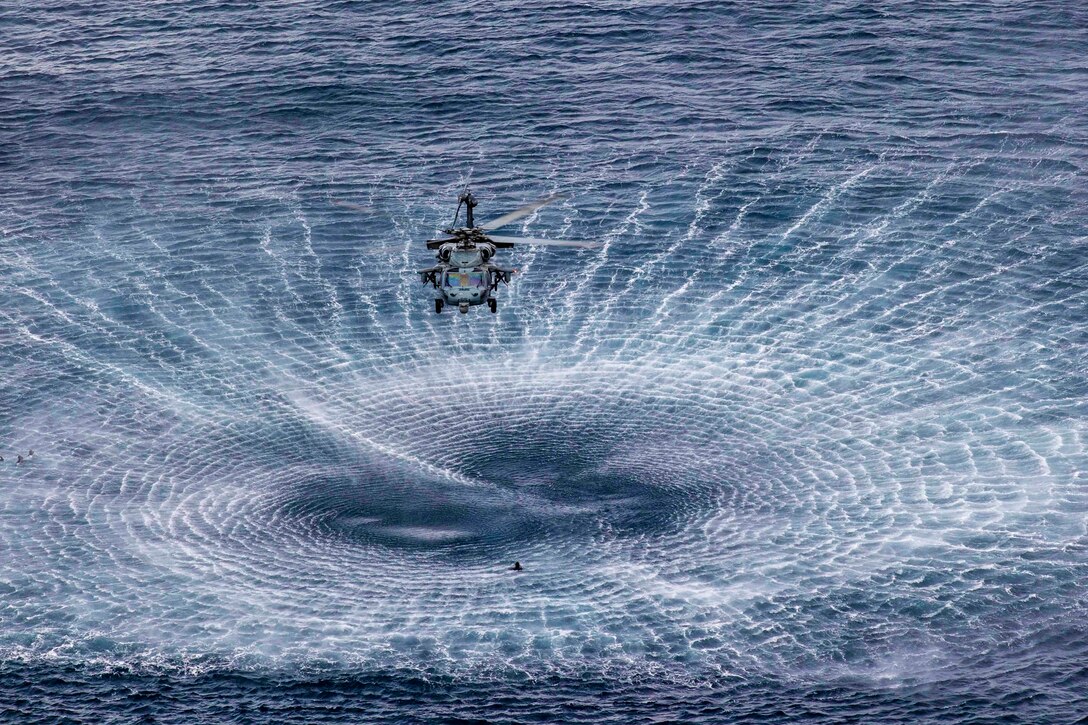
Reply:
x=804, y=438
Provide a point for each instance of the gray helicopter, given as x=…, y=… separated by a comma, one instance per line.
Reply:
x=465, y=275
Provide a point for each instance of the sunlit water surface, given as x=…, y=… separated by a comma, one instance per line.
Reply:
x=805, y=439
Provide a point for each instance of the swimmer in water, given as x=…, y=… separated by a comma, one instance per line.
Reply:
x=517, y=566
x=18, y=459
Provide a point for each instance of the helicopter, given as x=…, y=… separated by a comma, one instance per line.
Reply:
x=465, y=275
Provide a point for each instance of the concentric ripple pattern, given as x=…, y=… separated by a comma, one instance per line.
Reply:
x=807, y=436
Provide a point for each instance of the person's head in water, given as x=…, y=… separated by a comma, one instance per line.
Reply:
x=516, y=566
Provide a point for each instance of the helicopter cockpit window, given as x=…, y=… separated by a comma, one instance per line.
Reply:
x=466, y=279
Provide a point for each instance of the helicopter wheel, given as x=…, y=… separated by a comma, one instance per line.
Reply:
x=438, y=306
x=494, y=305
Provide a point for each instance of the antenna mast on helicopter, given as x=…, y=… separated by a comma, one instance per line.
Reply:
x=470, y=202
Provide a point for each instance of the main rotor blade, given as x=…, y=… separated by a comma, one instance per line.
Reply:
x=355, y=207
x=436, y=243
x=542, y=242
x=523, y=211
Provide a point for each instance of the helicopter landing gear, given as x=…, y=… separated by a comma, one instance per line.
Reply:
x=494, y=305
x=438, y=304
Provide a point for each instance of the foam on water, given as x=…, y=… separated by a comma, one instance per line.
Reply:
x=808, y=428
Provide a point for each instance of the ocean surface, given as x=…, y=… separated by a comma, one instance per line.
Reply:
x=805, y=440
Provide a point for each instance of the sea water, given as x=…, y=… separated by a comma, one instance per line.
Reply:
x=804, y=439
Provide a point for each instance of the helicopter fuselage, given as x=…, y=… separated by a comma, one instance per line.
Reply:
x=464, y=276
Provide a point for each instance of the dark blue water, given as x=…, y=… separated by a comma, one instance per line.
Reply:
x=805, y=440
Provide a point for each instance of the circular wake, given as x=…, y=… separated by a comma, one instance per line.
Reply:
x=810, y=420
